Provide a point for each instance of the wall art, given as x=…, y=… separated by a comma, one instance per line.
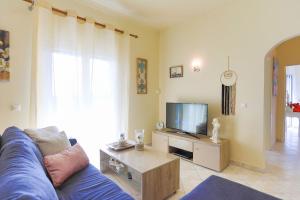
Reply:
x=4, y=56
x=141, y=76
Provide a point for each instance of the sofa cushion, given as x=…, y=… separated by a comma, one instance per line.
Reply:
x=22, y=175
x=49, y=140
x=62, y=165
x=90, y=184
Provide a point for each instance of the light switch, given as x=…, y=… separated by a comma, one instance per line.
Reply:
x=244, y=105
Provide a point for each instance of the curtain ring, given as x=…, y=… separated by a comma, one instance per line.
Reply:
x=33, y=3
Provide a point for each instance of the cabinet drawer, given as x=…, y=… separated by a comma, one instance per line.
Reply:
x=181, y=144
x=207, y=156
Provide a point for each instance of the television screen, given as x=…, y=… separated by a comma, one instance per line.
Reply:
x=187, y=117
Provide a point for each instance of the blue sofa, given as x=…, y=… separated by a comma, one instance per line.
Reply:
x=23, y=175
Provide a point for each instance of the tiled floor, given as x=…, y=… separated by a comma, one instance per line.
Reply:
x=281, y=179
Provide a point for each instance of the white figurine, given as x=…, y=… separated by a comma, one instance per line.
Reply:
x=215, y=131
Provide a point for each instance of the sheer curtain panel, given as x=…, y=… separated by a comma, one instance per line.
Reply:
x=81, y=79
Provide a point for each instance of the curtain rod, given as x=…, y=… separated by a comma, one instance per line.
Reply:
x=65, y=13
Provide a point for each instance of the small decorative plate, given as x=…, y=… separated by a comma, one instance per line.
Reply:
x=118, y=147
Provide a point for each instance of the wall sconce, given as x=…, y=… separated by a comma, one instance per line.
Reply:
x=196, y=65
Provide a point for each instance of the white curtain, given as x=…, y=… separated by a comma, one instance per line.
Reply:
x=82, y=74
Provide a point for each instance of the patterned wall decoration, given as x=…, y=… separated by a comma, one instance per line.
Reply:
x=141, y=76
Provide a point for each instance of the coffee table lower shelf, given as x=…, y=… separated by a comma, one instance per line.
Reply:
x=127, y=185
x=157, y=183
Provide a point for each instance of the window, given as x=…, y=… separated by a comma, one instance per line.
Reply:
x=101, y=77
x=67, y=75
x=84, y=99
x=81, y=84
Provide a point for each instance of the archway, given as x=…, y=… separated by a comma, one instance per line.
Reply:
x=276, y=60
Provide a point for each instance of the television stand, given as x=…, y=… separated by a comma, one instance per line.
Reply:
x=201, y=151
x=180, y=133
x=181, y=153
x=170, y=131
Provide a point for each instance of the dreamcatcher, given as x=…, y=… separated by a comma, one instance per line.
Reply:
x=228, y=79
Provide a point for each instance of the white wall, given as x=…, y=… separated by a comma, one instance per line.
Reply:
x=297, y=85
x=16, y=18
x=295, y=72
x=246, y=31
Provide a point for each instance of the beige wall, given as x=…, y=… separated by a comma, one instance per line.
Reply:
x=18, y=21
x=245, y=30
x=287, y=54
x=16, y=18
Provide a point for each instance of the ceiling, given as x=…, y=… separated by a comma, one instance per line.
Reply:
x=160, y=13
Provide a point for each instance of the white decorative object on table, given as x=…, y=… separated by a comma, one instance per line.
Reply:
x=139, y=137
x=122, y=140
x=215, y=131
x=159, y=125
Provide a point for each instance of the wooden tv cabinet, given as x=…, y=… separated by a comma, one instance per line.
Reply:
x=201, y=151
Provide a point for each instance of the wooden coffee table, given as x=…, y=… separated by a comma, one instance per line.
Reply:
x=151, y=174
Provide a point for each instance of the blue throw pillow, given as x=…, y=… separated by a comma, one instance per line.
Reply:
x=73, y=141
x=22, y=175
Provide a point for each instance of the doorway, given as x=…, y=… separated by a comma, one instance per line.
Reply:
x=281, y=66
x=292, y=96
x=281, y=140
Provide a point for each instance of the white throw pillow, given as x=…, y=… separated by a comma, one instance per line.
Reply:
x=49, y=139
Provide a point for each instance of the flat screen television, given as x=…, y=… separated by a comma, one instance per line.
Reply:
x=188, y=118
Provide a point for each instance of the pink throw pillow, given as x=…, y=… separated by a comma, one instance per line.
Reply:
x=63, y=165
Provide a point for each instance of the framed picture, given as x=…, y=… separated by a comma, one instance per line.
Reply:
x=141, y=76
x=176, y=71
x=4, y=56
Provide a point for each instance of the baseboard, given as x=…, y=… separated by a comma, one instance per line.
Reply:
x=246, y=166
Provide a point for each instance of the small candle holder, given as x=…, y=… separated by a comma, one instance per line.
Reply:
x=122, y=140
